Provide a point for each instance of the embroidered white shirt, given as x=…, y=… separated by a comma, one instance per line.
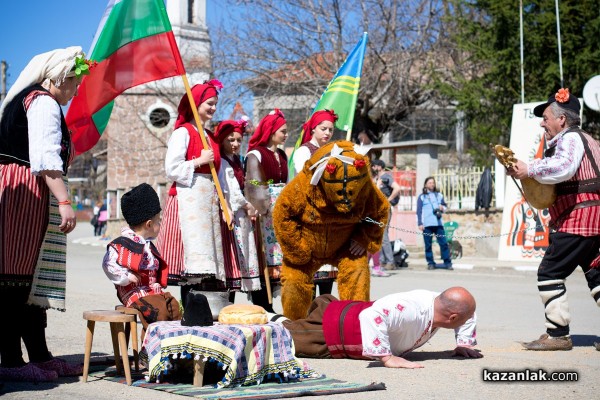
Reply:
x=401, y=322
x=231, y=187
x=563, y=164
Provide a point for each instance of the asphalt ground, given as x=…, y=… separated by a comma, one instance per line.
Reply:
x=508, y=307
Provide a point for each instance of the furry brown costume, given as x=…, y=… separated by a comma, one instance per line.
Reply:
x=316, y=224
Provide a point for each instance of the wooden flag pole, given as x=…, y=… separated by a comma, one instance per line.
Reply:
x=213, y=171
x=349, y=135
x=262, y=258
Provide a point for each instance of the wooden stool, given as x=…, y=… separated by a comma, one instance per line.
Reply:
x=131, y=330
x=116, y=320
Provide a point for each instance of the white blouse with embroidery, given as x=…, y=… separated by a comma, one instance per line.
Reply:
x=399, y=323
x=45, y=135
x=563, y=165
x=231, y=187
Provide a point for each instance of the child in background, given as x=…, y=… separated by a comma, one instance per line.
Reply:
x=134, y=264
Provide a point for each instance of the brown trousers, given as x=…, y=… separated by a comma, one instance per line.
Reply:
x=307, y=333
x=157, y=307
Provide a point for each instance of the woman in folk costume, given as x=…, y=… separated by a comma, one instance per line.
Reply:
x=190, y=234
x=239, y=242
x=266, y=175
x=35, y=211
x=318, y=131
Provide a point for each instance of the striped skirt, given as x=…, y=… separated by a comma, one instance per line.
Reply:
x=23, y=222
x=239, y=250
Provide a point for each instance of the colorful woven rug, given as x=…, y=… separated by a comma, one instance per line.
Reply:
x=320, y=386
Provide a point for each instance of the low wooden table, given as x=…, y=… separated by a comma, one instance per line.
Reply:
x=248, y=353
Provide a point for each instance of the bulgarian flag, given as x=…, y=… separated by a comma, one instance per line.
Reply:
x=134, y=44
x=341, y=93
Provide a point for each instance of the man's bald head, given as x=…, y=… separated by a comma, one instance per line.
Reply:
x=454, y=306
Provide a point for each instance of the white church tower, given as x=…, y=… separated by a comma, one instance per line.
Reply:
x=144, y=116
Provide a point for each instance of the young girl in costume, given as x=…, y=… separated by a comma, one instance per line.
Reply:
x=266, y=175
x=239, y=242
x=190, y=235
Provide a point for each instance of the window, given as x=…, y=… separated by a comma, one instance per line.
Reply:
x=159, y=117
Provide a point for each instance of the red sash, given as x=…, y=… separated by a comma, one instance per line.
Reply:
x=341, y=328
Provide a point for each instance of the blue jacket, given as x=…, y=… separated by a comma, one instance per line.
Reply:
x=426, y=203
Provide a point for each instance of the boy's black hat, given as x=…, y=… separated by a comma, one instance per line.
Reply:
x=197, y=310
x=140, y=204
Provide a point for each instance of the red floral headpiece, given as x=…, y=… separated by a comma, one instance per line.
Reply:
x=216, y=83
x=562, y=96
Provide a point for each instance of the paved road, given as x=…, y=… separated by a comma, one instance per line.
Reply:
x=508, y=309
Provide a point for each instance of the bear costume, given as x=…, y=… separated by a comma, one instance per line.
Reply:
x=330, y=204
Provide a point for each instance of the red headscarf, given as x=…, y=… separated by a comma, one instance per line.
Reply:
x=266, y=127
x=316, y=119
x=200, y=93
x=227, y=127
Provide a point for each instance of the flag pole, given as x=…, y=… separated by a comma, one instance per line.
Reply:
x=213, y=171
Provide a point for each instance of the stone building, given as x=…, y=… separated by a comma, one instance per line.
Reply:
x=144, y=116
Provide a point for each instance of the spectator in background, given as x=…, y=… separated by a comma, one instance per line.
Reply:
x=430, y=206
x=102, y=218
x=94, y=221
x=390, y=188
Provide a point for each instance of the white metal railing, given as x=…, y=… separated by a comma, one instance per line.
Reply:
x=459, y=186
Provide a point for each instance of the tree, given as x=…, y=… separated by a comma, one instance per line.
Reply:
x=283, y=48
x=483, y=80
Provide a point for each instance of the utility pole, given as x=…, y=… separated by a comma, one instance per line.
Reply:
x=3, y=68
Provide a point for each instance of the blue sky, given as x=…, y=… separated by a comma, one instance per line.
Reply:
x=31, y=27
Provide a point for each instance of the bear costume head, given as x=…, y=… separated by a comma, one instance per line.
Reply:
x=338, y=173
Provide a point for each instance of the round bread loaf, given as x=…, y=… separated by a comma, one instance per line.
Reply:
x=243, y=314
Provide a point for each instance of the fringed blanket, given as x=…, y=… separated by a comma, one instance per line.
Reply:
x=247, y=353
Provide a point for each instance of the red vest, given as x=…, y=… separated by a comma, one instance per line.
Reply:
x=272, y=169
x=195, y=149
x=130, y=256
x=341, y=328
x=583, y=187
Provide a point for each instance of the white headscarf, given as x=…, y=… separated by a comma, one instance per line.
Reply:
x=54, y=65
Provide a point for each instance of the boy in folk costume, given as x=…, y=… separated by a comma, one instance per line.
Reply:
x=134, y=264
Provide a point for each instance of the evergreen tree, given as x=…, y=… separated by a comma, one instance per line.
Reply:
x=484, y=76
